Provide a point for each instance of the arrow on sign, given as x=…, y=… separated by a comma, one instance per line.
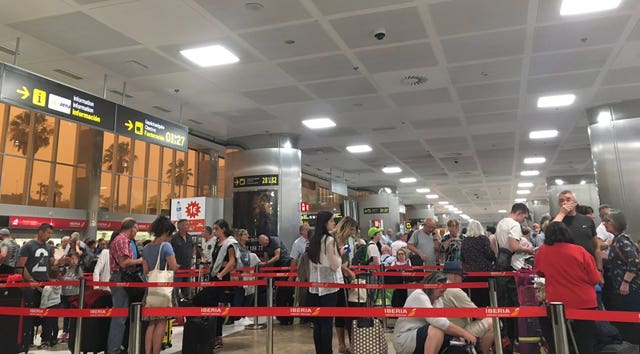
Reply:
x=24, y=92
x=128, y=124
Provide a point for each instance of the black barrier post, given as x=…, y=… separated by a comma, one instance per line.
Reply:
x=493, y=301
x=384, y=298
x=255, y=325
x=135, y=327
x=78, y=337
x=558, y=321
x=269, y=318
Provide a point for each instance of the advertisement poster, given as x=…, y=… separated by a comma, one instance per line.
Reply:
x=256, y=211
x=192, y=209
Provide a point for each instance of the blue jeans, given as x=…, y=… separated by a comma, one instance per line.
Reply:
x=118, y=324
x=323, y=326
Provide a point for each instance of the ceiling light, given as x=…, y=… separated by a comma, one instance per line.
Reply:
x=523, y=191
x=391, y=169
x=525, y=184
x=423, y=190
x=432, y=196
x=356, y=149
x=443, y=202
x=527, y=173
x=579, y=7
x=408, y=180
x=534, y=160
x=543, y=134
x=458, y=211
x=210, y=56
x=465, y=216
x=502, y=211
x=287, y=145
x=450, y=207
x=319, y=123
x=559, y=182
x=604, y=117
x=583, y=182
x=556, y=101
x=520, y=200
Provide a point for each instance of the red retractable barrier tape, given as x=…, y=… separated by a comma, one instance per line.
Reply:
x=599, y=315
x=176, y=284
x=37, y=312
x=478, y=285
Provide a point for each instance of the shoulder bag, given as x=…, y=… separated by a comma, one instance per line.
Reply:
x=132, y=275
x=159, y=296
x=503, y=261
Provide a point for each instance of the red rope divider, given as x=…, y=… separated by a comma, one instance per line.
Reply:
x=40, y=284
x=297, y=284
x=176, y=284
x=599, y=315
x=264, y=275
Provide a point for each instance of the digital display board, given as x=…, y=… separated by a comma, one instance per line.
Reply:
x=378, y=210
x=142, y=126
x=255, y=181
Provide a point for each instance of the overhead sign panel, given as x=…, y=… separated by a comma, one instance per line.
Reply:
x=30, y=91
x=379, y=210
x=255, y=181
x=142, y=126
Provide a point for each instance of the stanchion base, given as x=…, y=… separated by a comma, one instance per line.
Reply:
x=255, y=326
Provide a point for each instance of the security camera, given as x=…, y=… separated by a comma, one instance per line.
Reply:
x=380, y=33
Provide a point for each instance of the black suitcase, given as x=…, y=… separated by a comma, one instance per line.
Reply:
x=16, y=332
x=95, y=330
x=284, y=298
x=198, y=335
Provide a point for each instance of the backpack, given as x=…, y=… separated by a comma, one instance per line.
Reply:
x=88, y=261
x=361, y=257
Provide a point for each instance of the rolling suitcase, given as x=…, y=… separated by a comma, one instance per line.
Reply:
x=198, y=336
x=530, y=338
x=97, y=327
x=168, y=335
x=284, y=298
x=622, y=348
x=16, y=332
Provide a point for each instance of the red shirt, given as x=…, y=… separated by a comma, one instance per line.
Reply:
x=120, y=246
x=570, y=274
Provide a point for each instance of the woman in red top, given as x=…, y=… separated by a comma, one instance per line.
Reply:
x=570, y=277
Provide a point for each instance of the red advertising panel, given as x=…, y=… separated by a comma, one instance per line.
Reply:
x=30, y=222
x=115, y=225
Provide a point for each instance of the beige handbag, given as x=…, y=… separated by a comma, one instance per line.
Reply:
x=357, y=294
x=159, y=296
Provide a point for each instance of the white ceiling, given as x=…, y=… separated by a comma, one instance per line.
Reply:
x=464, y=133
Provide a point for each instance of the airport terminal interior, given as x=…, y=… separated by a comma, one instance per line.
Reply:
x=267, y=112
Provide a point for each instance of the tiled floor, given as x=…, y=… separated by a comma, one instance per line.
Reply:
x=296, y=339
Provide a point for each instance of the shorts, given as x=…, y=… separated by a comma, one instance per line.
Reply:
x=421, y=338
x=478, y=328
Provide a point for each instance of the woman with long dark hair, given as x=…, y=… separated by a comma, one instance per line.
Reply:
x=324, y=267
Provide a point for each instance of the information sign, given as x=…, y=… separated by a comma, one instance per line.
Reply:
x=142, y=126
x=378, y=210
x=255, y=181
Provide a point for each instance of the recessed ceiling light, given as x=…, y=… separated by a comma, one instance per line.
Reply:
x=529, y=173
x=465, y=216
x=502, y=211
x=534, y=160
x=583, y=182
x=408, y=180
x=423, y=190
x=356, y=149
x=450, y=207
x=520, y=200
x=210, y=55
x=253, y=6
x=443, y=202
x=319, y=123
x=458, y=211
x=432, y=196
x=559, y=181
x=543, y=134
x=523, y=191
x=556, y=101
x=391, y=169
x=578, y=7
x=604, y=117
x=525, y=185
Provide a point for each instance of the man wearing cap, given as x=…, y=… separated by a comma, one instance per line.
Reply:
x=457, y=298
x=9, y=250
x=425, y=242
x=372, y=247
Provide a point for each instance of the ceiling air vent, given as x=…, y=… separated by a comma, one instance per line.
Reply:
x=7, y=50
x=383, y=129
x=195, y=121
x=414, y=80
x=119, y=93
x=68, y=74
x=137, y=63
x=161, y=109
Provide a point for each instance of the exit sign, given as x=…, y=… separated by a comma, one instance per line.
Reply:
x=305, y=207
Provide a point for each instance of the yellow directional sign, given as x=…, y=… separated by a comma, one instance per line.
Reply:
x=128, y=124
x=39, y=97
x=24, y=91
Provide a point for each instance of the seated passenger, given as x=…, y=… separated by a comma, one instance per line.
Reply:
x=456, y=297
x=426, y=335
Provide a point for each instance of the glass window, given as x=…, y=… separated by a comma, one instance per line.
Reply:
x=63, y=192
x=152, y=197
x=106, y=201
x=139, y=164
x=166, y=195
x=43, y=129
x=122, y=194
x=191, y=192
x=137, y=196
x=124, y=155
x=3, y=107
x=13, y=172
x=204, y=174
x=154, y=162
x=220, y=181
x=67, y=142
x=39, y=191
x=18, y=131
x=167, y=165
x=108, y=153
x=191, y=163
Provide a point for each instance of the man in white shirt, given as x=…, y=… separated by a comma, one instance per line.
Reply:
x=401, y=242
x=604, y=236
x=372, y=247
x=208, y=243
x=300, y=244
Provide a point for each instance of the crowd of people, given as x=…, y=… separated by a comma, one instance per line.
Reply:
x=585, y=267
